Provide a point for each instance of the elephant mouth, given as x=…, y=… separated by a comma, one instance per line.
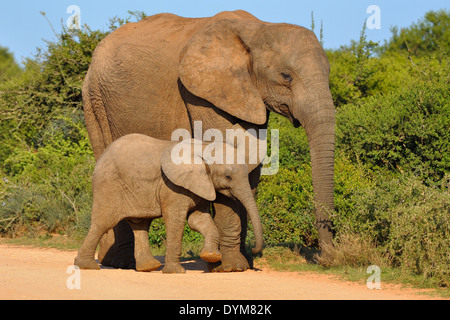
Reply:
x=284, y=110
x=294, y=122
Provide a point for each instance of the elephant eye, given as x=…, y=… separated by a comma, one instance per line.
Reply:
x=287, y=77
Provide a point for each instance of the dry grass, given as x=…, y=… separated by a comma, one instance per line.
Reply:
x=351, y=251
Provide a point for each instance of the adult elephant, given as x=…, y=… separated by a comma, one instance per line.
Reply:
x=165, y=72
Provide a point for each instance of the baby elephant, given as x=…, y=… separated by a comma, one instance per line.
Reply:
x=136, y=179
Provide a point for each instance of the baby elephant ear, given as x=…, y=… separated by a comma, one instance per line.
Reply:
x=188, y=170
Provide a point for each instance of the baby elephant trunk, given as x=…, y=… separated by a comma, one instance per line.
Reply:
x=248, y=201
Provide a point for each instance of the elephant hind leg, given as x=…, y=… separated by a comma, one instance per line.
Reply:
x=117, y=247
x=142, y=253
x=99, y=226
x=86, y=255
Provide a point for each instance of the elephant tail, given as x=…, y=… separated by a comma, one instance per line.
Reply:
x=95, y=116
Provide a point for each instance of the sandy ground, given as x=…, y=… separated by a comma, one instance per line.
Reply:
x=37, y=273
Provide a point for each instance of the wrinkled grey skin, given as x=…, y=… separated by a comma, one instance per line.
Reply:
x=166, y=72
x=135, y=178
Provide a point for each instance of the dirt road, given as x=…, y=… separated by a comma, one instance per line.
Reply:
x=36, y=273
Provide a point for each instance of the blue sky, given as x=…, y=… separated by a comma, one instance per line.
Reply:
x=22, y=28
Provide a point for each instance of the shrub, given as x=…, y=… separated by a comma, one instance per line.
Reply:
x=45, y=154
x=395, y=222
x=406, y=130
x=293, y=144
x=286, y=209
x=8, y=66
x=286, y=203
x=49, y=188
x=419, y=235
x=351, y=75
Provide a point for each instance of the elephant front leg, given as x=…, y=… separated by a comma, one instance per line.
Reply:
x=174, y=223
x=228, y=221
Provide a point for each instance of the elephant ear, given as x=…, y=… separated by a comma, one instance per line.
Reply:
x=191, y=173
x=215, y=65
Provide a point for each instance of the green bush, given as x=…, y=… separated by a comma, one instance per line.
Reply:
x=46, y=156
x=49, y=188
x=8, y=66
x=286, y=209
x=408, y=222
x=352, y=72
x=286, y=204
x=419, y=235
x=293, y=143
x=406, y=130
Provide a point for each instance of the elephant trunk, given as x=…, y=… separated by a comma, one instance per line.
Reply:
x=245, y=196
x=320, y=130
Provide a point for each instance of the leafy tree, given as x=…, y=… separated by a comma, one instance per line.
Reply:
x=8, y=66
x=429, y=35
x=403, y=131
x=352, y=70
x=46, y=160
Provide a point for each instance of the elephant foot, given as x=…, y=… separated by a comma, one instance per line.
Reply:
x=211, y=255
x=232, y=261
x=88, y=264
x=119, y=263
x=173, y=268
x=146, y=265
x=118, y=258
